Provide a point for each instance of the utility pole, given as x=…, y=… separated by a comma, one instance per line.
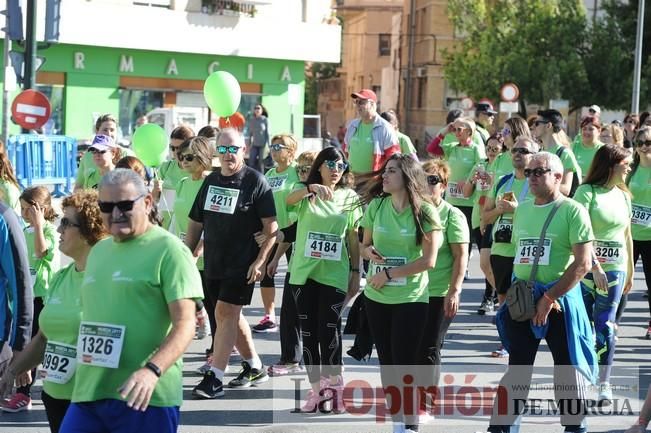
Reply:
x=30, y=46
x=637, y=70
x=410, y=60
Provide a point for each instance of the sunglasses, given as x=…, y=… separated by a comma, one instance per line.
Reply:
x=643, y=143
x=174, y=148
x=304, y=168
x=537, y=172
x=66, y=222
x=334, y=165
x=433, y=179
x=123, y=206
x=277, y=147
x=230, y=149
x=459, y=129
x=94, y=150
x=493, y=149
x=187, y=157
x=541, y=122
x=521, y=151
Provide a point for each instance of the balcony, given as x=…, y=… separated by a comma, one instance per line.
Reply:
x=243, y=28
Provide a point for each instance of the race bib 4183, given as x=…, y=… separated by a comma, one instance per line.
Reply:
x=527, y=250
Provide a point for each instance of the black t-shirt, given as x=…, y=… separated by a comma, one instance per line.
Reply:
x=231, y=209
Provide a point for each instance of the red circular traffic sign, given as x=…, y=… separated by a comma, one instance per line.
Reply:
x=509, y=92
x=31, y=109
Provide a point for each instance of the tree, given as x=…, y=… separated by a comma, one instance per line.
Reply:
x=313, y=73
x=534, y=43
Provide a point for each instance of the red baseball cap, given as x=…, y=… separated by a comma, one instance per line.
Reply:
x=365, y=94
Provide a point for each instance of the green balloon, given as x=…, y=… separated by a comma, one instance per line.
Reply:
x=150, y=144
x=222, y=93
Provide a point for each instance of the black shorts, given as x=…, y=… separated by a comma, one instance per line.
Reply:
x=236, y=291
x=487, y=238
x=503, y=272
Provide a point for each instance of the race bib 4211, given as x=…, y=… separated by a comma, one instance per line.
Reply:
x=222, y=200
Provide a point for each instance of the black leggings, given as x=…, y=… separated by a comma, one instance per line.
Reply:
x=209, y=304
x=319, y=310
x=643, y=249
x=437, y=327
x=291, y=346
x=55, y=409
x=38, y=307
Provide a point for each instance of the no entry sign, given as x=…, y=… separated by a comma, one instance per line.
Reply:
x=31, y=109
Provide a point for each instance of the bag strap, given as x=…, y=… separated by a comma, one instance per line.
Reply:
x=541, y=240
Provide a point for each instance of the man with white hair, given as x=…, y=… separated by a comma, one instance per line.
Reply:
x=560, y=316
x=234, y=203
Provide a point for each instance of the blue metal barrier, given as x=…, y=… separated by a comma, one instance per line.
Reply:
x=44, y=160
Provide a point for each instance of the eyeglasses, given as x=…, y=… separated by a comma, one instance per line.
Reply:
x=123, y=206
x=303, y=169
x=541, y=122
x=174, y=148
x=66, y=222
x=187, y=157
x=433, y=179
x=97, y=151
x=230, y=149
x=277, y=147
x=643, y=143
x=521, y=151
x=506, y=131
x=493, y=149
x=334, y=165
x=537, y=172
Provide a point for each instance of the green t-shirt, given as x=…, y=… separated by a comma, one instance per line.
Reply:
x=455, y=231
x=59, y=321
x=406, y=146
x=87, y=166
x=584, y=154
x=361, y=149
x=520, y=188
x=186, y=191
x=42, y=270
x=640, y=187
x=394, y=236
x=570, y=226
x=130, y=284
x=461, y=159
x=281, y=185
x=567, y=158
x=171, y=174
x=10, y=194
x=482, y=188
x=503, y=164
x=610, y=215
x=321, y=253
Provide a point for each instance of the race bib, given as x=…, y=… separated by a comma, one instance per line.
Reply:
x=277, y=183
x=528, y=250
x=100, y=344
x=389, y=263
x=608, y=252
x=323, y=246
x=222, y=200
x=504, y=224
x=484, y=182
x=454, y=190
x=641, y=215
x=59, y=362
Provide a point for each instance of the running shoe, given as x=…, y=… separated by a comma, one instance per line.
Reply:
x=312, y=402
x=283, y=369
x=249, y=376
x=265, y=325
x=500, y=352
x=202, y=327
x=485, y=307
x=17, y=403
x=605, y=394
x=209, y=387
x=648, y=332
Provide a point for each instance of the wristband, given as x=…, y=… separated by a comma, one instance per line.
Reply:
x=549, y=298
x=386, y=271
x=153, y=368
x=354, y=270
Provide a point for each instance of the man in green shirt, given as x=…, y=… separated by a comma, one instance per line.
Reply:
x=138, y=308
x=560, y=318
x=548, y=128
x=484, y=117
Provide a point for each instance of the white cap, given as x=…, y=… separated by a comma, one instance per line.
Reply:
x=595, y=108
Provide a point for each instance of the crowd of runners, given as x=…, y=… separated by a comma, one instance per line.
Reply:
x=164, y=255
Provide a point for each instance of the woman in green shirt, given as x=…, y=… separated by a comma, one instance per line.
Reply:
x=55, y=343
x=325, y=268
x=585, y=146
x=402, y=233
x=9, y=188
x=605, y=195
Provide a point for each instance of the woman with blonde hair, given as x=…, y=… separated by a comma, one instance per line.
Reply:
x=612, y=134
x=9, y=188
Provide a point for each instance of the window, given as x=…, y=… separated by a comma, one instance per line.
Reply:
x=135, y=103
x=55, y=94
x=421, y=97
x=384, y=44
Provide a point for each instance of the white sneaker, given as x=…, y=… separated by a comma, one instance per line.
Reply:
x=202, y=328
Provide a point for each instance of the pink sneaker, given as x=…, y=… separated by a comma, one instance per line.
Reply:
x=311, y=402
x=17, y=403
x=283, y=369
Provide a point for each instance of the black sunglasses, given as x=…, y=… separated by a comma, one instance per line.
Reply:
x=641, y=143
x=66, y=222
x=188, y=157
x=537, y=172
x=433, y=179
x=521, y=151
x=123, y=206
x=304, y=168
x=95, y=150
x=174, y=148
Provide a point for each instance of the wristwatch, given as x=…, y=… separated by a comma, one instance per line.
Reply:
x=153, y=368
